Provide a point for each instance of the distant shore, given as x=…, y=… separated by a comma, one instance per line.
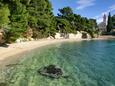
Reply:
x=17, y=48
x=105, y=37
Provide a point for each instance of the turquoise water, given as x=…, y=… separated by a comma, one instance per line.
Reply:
x=87, y=63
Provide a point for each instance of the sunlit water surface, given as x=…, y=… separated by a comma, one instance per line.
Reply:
x=87, y=63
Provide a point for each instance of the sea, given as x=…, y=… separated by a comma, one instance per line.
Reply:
x=86, y=63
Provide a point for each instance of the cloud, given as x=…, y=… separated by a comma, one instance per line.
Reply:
x=84, y=4
x=100, y=17
x=112, y=8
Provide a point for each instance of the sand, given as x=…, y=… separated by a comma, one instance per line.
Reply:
x=17, y=48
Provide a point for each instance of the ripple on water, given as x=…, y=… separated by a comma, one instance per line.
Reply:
x=87, y=63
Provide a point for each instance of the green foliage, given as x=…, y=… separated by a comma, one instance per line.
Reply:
x=41, y=16
x=4, y=14
x=18, y=20
x=18, y=15
x=113, y=22
x=66, y=11
x=109, y=23
x=63, y=25
x=73, y=22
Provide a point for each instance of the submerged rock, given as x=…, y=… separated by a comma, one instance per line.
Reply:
x=3, y=84
x=51, y=71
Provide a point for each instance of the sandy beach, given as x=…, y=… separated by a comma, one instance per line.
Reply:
x=18, y=48
x=6, y=53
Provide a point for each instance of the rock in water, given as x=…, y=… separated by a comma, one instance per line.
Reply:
x=51, y=71
x=3, y=84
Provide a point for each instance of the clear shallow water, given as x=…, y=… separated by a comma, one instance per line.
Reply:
x=87, y=63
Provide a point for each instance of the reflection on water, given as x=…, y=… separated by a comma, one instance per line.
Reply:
x=87, y=63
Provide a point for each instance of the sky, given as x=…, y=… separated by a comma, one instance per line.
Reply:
x=86, y=8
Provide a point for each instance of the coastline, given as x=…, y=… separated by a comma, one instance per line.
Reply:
x=105, y=37
x=7, y=54
x=18, y=48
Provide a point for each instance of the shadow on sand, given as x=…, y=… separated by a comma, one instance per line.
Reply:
x=4, y=45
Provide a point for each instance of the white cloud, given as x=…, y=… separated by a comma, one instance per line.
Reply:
x=84, y=3
x=112, y=8
x=100, y=17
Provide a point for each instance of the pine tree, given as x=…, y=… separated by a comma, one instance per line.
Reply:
x=41, y=16
x=4, y=16
x=18, y=16
x=18, y=19
x=109, y=23
x=113, y=21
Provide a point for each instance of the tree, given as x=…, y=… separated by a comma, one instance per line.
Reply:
x=20, y=15
x=93, y=23
x=75, y=22
x=113, y=21
x=4, y=16
x=63, y=25
x=67, y=14
x=66, y=11
x=35, y=14
x=109, y=23
x=41, y=17
x=18, y=19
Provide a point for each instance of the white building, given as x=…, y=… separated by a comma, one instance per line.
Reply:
x=102, y=25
